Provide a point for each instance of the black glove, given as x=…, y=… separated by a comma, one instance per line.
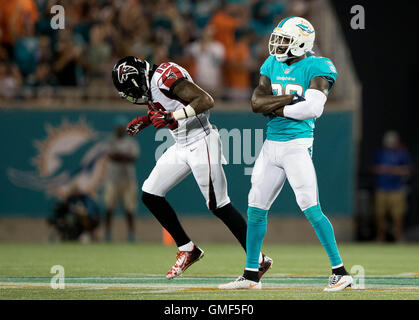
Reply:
x=297, y=98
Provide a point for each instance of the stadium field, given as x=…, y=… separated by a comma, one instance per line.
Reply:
x=136, y=271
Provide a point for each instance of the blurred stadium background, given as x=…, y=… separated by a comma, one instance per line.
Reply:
x=57, y=105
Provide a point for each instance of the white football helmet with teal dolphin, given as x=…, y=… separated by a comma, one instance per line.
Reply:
x=293, y=37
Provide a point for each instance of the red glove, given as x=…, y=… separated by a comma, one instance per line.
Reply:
x=173, y=126
x=138, y=124
x=161, y=119
x=152, y=107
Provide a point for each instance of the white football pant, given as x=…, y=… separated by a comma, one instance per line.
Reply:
x=278, y=161
x=204, y=158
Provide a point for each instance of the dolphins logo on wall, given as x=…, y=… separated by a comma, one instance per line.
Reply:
x=71, y=154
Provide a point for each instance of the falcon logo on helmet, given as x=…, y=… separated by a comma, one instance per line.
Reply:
x=131, y=77
x=293, y=37
x=124, y=71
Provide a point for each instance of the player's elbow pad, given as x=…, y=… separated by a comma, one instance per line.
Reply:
x=312, y=107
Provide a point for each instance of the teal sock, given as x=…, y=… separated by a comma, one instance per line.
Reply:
x=256, y=229
x=324, y=231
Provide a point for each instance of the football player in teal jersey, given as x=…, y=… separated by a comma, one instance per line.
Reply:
x=292, y=91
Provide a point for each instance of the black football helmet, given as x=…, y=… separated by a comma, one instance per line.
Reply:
x=131, y=77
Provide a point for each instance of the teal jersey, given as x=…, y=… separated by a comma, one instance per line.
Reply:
x=291, y=79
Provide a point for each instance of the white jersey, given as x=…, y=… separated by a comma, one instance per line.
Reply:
x=164, y=79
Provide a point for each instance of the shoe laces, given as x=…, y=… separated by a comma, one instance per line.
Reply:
x=334, y=278
x=179, y=260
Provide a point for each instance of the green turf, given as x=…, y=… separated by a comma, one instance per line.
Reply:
x=136, y=271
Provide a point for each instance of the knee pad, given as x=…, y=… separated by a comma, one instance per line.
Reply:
x=256, y=215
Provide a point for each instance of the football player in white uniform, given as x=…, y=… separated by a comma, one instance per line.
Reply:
x=175, y=101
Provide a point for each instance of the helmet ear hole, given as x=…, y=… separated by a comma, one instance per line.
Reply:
x=302, y=45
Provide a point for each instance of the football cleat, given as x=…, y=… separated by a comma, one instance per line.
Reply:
x=265, y=265
x=184, y=259
x=241, y=283
x=339, y=282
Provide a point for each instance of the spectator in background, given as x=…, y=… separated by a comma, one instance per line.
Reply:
x=225, y=26
x=43, y=23
x=98, y=54
x=392, y=167
x=67, y=60
x=208, y=55
x=265, y=13
x=121, y=183
x=42, y=83
x=10, y=80
x=239, y=67
x=230, y=18
x=45, y=49
x=107, y=18
x=97, y=33
x=168, y=28
x=130, y=16
x=42, y=77
x=160, y=53
x=16, y=16
x=76, y=217
x=26, y=53
x=202, y=10
x=81, y=30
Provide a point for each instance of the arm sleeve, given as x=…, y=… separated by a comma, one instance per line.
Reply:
x=312, y=107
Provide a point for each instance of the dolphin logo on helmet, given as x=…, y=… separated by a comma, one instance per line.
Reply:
x=293, y=37
x=304, y=29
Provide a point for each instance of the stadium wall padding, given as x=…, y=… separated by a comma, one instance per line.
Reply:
x=45, y=150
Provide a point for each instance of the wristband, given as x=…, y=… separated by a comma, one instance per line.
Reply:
x=184, y=113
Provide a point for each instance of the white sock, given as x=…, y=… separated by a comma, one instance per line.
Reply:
x=260, y=258
x=252, y=269
x=187, y=247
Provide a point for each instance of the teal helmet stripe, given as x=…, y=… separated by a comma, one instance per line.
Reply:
x=283, y=21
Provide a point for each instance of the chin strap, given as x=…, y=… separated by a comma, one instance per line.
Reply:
x=132, y=99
